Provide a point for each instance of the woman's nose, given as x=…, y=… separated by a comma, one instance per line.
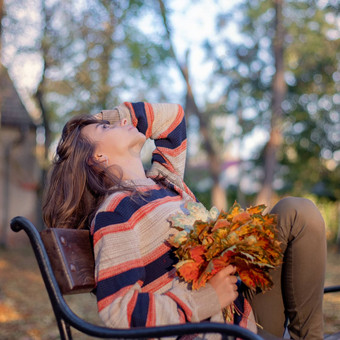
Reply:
x=123, y=122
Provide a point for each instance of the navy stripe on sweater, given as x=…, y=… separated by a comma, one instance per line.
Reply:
x=147, y=274
x=140, y=312
x=113, y=284
x=140, y=113
x=128, y=206
x=175, y=138
x=159, y=267
x=156, y=157
x=239, y=302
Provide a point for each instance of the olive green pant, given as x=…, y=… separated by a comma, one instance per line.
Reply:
x=298, y=284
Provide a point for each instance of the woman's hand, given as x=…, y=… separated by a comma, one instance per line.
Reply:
x=224, y=283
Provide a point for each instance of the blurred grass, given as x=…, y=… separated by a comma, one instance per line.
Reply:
x=26, y=313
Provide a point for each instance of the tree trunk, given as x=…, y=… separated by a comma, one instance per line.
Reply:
x=39, y=97
x=218, y=194
x=2, y=11
x=278, y=93
x=337, y=218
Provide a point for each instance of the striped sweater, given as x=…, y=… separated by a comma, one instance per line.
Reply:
x=136, y=281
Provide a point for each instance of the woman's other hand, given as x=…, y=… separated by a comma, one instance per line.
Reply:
x=224, y=283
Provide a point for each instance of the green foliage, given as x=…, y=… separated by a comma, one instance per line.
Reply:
x=108, y=55
x=330, y=211
x=309, y=157
x=93, y=53
x=96, y=55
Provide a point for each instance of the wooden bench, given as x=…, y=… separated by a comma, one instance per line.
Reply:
x=66, y=262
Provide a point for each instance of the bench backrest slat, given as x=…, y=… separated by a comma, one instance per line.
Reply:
x=71, y=255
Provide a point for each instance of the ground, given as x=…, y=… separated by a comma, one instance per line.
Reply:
x=26, y=313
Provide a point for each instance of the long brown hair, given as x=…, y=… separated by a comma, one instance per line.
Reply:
x=77, y=184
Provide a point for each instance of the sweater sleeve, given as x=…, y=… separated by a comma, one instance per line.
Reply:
x=165, y=124
x=125, y=298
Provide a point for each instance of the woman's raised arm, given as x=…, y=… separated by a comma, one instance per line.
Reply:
x=165, y=124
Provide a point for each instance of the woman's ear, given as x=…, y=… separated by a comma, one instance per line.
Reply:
x=100, y=158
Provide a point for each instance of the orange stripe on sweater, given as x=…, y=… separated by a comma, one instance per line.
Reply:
x=130, y=224
x=109, y=299
x=116, y=200
x=135, y=218
x=151, y=319
x=189, y=192
x=131, y=306
x=115, y=270
x=159, y=283
x=181, y=316
x=150, y=117
x=186, y=309
x=246, y=314
x=167, y=163
x=123, y=267
x=132, y=112
x=174, y=152
x=118, y=197
x=156, y=253
x=175, y=123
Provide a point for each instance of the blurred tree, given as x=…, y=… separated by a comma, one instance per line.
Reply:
x=278, y=96
x=218, y=193
x=110, y=56
x=2, y=11
x=93, y=54
x=281, y=74
x=90, y=55
x=311, y=150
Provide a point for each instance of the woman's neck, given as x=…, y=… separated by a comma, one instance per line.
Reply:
x=132, y=169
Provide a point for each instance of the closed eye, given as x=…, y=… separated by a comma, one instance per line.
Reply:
x=103, y=126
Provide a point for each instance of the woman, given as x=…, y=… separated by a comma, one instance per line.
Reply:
x=98, y=180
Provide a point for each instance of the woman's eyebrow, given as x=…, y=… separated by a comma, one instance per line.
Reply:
x=100, y=124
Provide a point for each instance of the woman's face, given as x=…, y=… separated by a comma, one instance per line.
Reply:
x=114, y=143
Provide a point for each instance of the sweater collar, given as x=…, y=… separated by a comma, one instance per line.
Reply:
x=139, y=182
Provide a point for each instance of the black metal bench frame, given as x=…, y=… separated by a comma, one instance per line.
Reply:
x=66, y=318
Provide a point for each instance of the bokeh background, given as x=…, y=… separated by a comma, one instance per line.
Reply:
x=259, y=81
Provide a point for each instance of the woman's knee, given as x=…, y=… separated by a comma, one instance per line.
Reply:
x=296, y=214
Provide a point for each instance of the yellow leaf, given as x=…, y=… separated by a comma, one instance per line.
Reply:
x=256, y=210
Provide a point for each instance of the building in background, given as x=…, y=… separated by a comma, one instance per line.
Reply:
x=19, y=168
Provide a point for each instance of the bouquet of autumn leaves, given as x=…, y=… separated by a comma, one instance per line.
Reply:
x=207, y=241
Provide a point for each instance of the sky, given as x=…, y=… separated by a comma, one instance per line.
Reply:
x=191, y=25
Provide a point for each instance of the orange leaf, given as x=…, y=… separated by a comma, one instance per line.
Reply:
x=222, y=261
x=270, y=220
x=256, y=210
x=196, y=253
x=246, y=239
x=223, y=223
x=254, y=277
x=234, y=210
x=199, y=227
x=241, y=217
x=257, y=220
x=189, y=271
